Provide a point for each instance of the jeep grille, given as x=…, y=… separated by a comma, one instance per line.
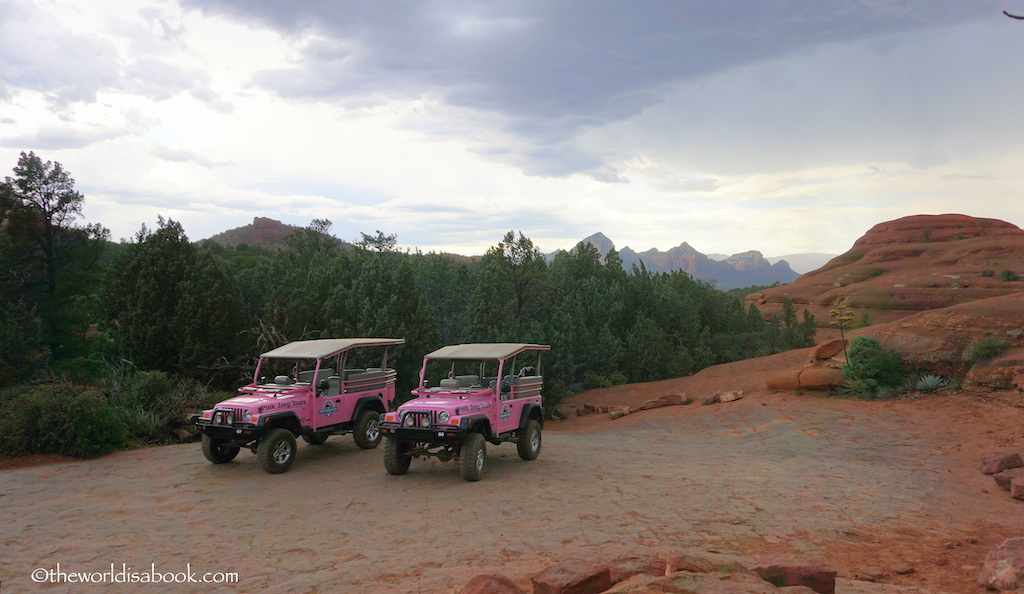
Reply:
x=226, y=416
x=417, y=417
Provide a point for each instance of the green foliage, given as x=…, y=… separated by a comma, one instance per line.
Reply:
x=60, y=419
x=1008, y=275
x=986, y=349
x=152, y=403
x=988, y=272
x=873, y=370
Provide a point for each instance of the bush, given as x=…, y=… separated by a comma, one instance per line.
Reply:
x=593, y=380
x=60, y=419
x=986, y=349
x=152, y=404
x=988, y=272
x=872, y=370
x=1008, y=275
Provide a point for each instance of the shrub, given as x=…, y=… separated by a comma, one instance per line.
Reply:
x=152, y=404
x=986, y=349
x=593, y=380
x=1008, y=275
x=988, y=272
x=61, y=419
x=873, y=370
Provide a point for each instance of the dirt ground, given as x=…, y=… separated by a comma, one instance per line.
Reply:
x=867, y=486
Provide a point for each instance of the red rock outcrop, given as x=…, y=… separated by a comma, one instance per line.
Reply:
x=910, y=265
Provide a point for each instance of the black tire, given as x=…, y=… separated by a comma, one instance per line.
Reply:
x=529, y=440
x=315, y=438
x=276, y=451
x=473, y=457
x=367, y=430
x=395, y=459
x=217, y=451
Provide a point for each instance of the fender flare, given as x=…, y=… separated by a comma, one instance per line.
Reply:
x=533, y=410
x=285, y=419
x=374, y=403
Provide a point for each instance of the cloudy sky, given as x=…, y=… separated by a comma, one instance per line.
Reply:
x=781, y=126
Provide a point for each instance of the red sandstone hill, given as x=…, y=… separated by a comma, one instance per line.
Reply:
x=263, y=232
x=910, y=265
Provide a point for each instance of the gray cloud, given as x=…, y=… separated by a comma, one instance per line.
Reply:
x=552, y=70
x=60, y=138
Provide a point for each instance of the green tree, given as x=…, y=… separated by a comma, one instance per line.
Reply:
x=51, y=261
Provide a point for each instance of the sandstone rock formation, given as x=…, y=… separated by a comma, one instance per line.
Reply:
x=909, y=265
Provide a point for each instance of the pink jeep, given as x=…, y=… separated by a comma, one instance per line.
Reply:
x=309, y=388
x=469, y=394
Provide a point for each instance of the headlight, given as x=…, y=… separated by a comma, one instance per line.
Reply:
x=425, y=421
x=442, y=417
x=218, y=418
x=246, y=415
x=407, y=420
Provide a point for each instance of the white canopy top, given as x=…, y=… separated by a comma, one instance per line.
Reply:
x=326, y=347
x=497, y=350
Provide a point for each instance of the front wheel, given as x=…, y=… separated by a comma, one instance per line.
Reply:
x=276, y=451
x=367, y=430
x=396, y=456
x=473, y=457
x=529, y=440
x=217, y=451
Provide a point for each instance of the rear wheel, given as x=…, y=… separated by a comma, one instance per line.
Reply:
x=276, y=451
x=396, y=458
x=217, y=451
x=473, y=457
x=367, y=430
x=529, y=440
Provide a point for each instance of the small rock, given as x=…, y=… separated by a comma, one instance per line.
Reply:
x=572, y=578
x=903, y=570
x=729, y=396
x=1004, y=566
x=491, y=584
x=1004, y=478
x=796, y=571
x=1017, y=488
x=627, y=566
x=994, y=462
x=869, y=575
x=950, y=545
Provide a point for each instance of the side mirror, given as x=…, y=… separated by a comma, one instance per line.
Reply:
x=323, y=385
x=505, y=387
x=426, y=383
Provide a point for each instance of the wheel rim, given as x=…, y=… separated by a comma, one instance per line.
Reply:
x=282, y=452
x=373, y=430
x=534, y=441
x=480, y=458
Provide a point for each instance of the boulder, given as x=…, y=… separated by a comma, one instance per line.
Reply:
x=827, y=350
x=796, y=571
x=1004, y=566
x=1004, y=478
x=786, y=382
x=821, y=378
x=656, y=403
x=491, y=584
x=994, y=462
x=618, y=413
x=627, y=566
x=572, y=578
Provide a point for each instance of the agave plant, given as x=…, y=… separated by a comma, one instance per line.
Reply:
x=932, y=383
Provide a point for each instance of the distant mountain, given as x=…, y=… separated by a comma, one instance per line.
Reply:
x=804, y=263
x=800, y=263
x=263, y=232
x=739, y=270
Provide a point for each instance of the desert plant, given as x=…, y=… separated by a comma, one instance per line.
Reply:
x=931, y=382
x=986, y=349
x=841, y=317
x=1008, y=275
x=988, y=272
